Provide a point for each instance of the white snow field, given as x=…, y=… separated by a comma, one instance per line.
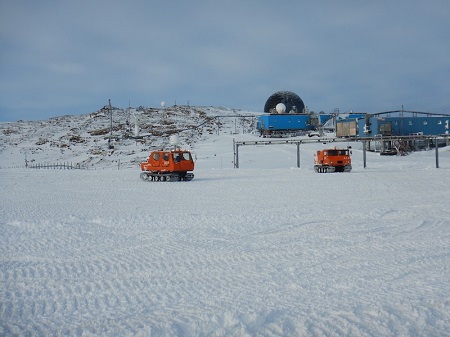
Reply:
x=264, y=250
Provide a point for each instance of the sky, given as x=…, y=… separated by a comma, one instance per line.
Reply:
x=70, y=57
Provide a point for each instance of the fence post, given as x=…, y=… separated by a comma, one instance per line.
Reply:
x=236, y=161
x=437, y=152
x=364, y=154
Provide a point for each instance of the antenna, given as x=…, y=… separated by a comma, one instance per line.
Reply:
x=136, y=125
x=163, y=104
x=110, y=146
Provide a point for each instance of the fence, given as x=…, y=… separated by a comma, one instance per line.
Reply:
x=56, y=166
x=71, y=166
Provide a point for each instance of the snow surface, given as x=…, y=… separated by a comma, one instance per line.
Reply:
x=264, y=250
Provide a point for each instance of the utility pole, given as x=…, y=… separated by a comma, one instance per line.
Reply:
x=110, y=146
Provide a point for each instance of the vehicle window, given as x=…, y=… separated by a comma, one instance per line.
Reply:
x=186, y=156
x=165, y=156
x=156, y=156
x=176, y=157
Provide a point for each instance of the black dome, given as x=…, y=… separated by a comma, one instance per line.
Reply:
x=288, y=98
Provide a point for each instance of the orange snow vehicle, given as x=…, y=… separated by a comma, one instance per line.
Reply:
x=173, y=165
x=332, y=160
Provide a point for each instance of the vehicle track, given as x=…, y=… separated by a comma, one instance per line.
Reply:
x=304, y=263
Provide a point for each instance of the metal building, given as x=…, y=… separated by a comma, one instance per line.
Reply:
x=397, y=132
x=284, y=124
x=431, y=125
x=385, y=124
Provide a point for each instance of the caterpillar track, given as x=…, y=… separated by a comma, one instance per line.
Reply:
x=332, y=169
x=153, y=177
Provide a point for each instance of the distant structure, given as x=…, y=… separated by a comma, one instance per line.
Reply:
x=286, y=116
x=397, y=132
x=398, y=123
x=292, y=101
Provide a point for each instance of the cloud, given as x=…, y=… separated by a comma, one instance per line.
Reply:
x=361, y=55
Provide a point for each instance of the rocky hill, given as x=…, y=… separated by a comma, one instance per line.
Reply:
x=103, y=139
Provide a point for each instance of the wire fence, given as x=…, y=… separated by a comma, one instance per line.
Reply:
x=68, y=166
x=56, y=166
x=72, y=166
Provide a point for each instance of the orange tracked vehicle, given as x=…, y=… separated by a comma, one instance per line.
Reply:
x=332, y=160
x=171, y=165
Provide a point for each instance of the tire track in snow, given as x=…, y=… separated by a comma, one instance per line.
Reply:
x=374, y=269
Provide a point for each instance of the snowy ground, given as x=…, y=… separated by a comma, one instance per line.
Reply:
x=264, y=250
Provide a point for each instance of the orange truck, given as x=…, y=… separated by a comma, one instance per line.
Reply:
x=174, y=165
x=332, y=160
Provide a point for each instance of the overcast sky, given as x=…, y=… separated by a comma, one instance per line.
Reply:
x=69, y=57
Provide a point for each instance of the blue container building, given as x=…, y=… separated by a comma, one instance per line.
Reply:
x=274, y=125
x=403, y=126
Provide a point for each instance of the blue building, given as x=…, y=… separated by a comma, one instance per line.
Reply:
x=397, y=134
x=279, y=125
x=373, y=126
x=284, y=124
x=395, y=124
x=323, y=118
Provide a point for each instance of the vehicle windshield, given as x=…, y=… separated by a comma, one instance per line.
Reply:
x=337, y=152
x=186, y=156
x=179, y=156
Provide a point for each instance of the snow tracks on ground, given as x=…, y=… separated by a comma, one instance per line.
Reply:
x=282, y=252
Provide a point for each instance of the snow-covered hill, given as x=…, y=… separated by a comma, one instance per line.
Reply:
x=85, y=140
